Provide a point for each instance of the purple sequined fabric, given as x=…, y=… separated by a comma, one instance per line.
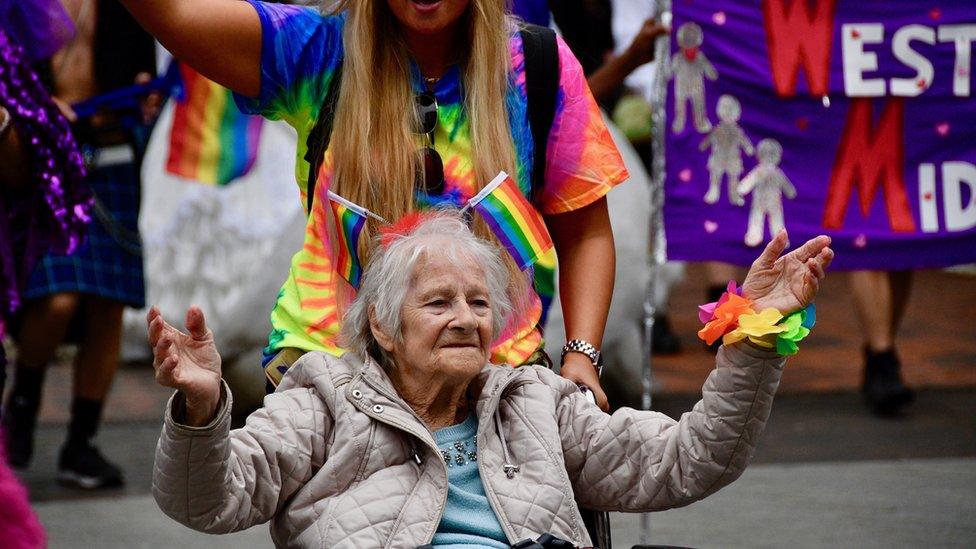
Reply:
x=52, y=213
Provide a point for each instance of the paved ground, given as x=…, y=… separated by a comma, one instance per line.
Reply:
x=911, y=503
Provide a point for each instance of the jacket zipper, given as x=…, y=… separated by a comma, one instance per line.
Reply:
x=414, y=454
x=489, y=411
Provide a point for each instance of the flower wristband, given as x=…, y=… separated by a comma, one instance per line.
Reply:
x=734, y=318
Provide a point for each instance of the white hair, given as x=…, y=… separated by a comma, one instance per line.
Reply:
x=387, y=278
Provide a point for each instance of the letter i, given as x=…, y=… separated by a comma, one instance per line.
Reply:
x=926, y=198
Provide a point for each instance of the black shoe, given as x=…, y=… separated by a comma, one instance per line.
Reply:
x=663, y=340
x=884, y=391
x=19, y=420
x=83, y=466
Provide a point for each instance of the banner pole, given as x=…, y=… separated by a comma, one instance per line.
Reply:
x=658, y=251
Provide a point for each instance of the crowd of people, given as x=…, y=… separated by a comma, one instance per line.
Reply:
x=437, y=355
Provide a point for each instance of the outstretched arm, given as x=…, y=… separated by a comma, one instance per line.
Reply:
x=221, y=39
x=645, y=461
x=206, y=476
x=637, y=461
x=584, y=245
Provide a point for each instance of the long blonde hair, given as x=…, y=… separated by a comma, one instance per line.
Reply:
x=375, y=153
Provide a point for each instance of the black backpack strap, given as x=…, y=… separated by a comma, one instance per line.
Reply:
x=542, y=84
x=320, y=136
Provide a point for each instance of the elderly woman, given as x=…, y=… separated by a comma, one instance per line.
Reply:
x=414, y=438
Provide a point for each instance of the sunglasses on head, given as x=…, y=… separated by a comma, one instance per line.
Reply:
x=431, y=179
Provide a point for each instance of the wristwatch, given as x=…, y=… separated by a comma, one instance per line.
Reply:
x=586, y=348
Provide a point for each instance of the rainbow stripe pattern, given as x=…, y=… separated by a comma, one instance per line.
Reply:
x=514, y=221
x=349, y=223
x=211, y=141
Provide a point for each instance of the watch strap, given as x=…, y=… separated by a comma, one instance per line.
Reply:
x=586, y=348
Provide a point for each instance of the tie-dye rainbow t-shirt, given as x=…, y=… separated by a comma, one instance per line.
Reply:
x=300, y=51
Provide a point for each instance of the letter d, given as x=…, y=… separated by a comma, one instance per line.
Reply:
x=958, y=216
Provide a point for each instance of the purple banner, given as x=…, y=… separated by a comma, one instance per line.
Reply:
x=853, y=119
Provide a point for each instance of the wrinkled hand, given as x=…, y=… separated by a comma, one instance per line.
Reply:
x=188, y=363
x=641, y=49
x=578, y=369
x=791, y=282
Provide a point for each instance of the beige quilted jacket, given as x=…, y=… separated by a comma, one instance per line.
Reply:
x=336, y=459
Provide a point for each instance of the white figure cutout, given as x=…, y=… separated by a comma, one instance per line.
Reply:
x=768, y=184
x=689, y=68
x=725, y=159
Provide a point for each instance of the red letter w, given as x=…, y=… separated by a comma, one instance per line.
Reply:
x=794, y=37
x=866, y=158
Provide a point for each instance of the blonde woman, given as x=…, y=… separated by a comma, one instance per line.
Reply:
x=446, y=78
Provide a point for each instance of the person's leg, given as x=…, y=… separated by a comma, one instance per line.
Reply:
x=98, y=354
x=44, y=325
x=81, y=464
x=879, y=309
x=901, y=289
x=873, y=304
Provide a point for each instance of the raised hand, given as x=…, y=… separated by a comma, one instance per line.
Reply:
x=791, y=282
x=188, y=363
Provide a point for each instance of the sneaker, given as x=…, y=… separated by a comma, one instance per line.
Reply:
x=884, y=391
x=19, y=420
x=83, y=466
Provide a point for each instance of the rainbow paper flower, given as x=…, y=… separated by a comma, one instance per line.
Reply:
x=757, y=327
x=797, y=326
x=725, y=316
x=706, y=312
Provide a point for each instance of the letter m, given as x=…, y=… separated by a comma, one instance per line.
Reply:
x=796, y=37
x=870, y=160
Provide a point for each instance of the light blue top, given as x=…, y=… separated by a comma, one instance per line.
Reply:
x=468, y=521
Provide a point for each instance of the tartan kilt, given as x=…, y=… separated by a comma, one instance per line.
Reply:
x=107, y=264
